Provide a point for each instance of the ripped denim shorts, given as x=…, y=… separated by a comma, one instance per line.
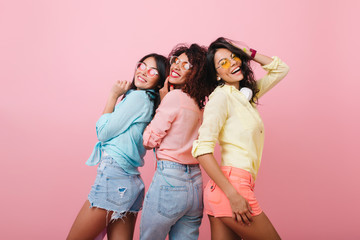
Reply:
x=115, y=190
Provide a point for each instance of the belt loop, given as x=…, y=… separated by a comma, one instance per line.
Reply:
x=161, y=166
x=156, y=161
x=230, y=171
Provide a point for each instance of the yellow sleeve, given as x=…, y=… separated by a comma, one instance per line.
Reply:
x=276, y=71
x=215, y=115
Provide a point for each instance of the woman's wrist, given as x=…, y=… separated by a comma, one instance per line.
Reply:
x=231, y=192
x=252, y=53
x=114, y=96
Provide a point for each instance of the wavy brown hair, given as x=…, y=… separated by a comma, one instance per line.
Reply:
x=247, y=81
x=195, y=85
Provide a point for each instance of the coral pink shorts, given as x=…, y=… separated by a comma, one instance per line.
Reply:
x=218, y=205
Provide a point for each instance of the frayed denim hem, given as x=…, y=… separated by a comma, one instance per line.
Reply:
x=115, y=214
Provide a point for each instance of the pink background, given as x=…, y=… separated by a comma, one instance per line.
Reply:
x=58, y=60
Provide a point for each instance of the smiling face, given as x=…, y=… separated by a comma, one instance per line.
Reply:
x=143, y=78
x=177, y=73
x=232, y=75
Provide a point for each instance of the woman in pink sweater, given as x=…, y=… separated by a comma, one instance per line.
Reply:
x=173, y=204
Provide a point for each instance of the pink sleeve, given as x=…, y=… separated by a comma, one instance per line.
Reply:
x=161, y=123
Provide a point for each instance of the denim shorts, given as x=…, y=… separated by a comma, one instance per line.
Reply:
x=115, y=190
x=174, y=203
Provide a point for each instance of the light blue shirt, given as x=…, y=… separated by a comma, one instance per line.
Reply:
x=120, y=132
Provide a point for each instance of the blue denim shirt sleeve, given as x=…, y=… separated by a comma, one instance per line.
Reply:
x=127, y=112
x=110, y=125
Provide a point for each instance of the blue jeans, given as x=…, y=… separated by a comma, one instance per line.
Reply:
x=174, y=203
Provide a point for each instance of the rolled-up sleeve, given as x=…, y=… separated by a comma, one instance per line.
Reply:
x=113, y=124
x=165, y=114
x=276, y=71
x=215, y=115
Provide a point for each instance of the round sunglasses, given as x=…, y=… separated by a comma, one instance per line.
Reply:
x=151, y=72
x=183, y=64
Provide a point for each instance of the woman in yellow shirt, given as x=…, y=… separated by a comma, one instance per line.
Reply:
x=231, y=118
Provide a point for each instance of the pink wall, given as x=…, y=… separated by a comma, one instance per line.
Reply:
x=58, y=60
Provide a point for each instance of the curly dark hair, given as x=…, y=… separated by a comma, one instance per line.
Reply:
x=247, y=81
x=195, y=85
x=163, y=66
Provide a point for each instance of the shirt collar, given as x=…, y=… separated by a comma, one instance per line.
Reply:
x=229, y=88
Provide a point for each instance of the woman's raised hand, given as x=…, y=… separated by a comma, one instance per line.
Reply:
x=165, y=89
x=120, y=88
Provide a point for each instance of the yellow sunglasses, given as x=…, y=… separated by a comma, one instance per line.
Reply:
x=225, y=63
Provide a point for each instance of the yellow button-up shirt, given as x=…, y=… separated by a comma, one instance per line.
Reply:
x=233, y=121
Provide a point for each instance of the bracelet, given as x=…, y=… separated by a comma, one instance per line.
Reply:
x=253, y=53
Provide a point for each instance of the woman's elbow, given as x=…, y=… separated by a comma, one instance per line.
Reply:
x=147, y=147
x=102, y=137
x=150, y=144
x=285, y=69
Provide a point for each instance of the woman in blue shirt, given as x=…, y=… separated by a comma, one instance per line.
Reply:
x=118, y=191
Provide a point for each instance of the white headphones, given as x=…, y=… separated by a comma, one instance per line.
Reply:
x=247, y=92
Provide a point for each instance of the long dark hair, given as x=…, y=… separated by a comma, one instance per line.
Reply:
x=195, y=84
x=247, y=81
x=163, y=66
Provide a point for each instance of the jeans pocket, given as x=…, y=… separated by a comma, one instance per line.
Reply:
x=172, y=200
x=119, y=191
x=199, y=197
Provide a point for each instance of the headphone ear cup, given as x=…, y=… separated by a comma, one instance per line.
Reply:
x=247, y=93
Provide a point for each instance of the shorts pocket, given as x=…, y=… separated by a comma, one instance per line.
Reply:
x=244, y=188
x=172, y=200
x=212, y=192
x=119, y=190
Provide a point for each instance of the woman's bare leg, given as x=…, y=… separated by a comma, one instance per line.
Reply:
x=89, y=222
x=219, y=231
x=122, y=229
x=260, y=228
